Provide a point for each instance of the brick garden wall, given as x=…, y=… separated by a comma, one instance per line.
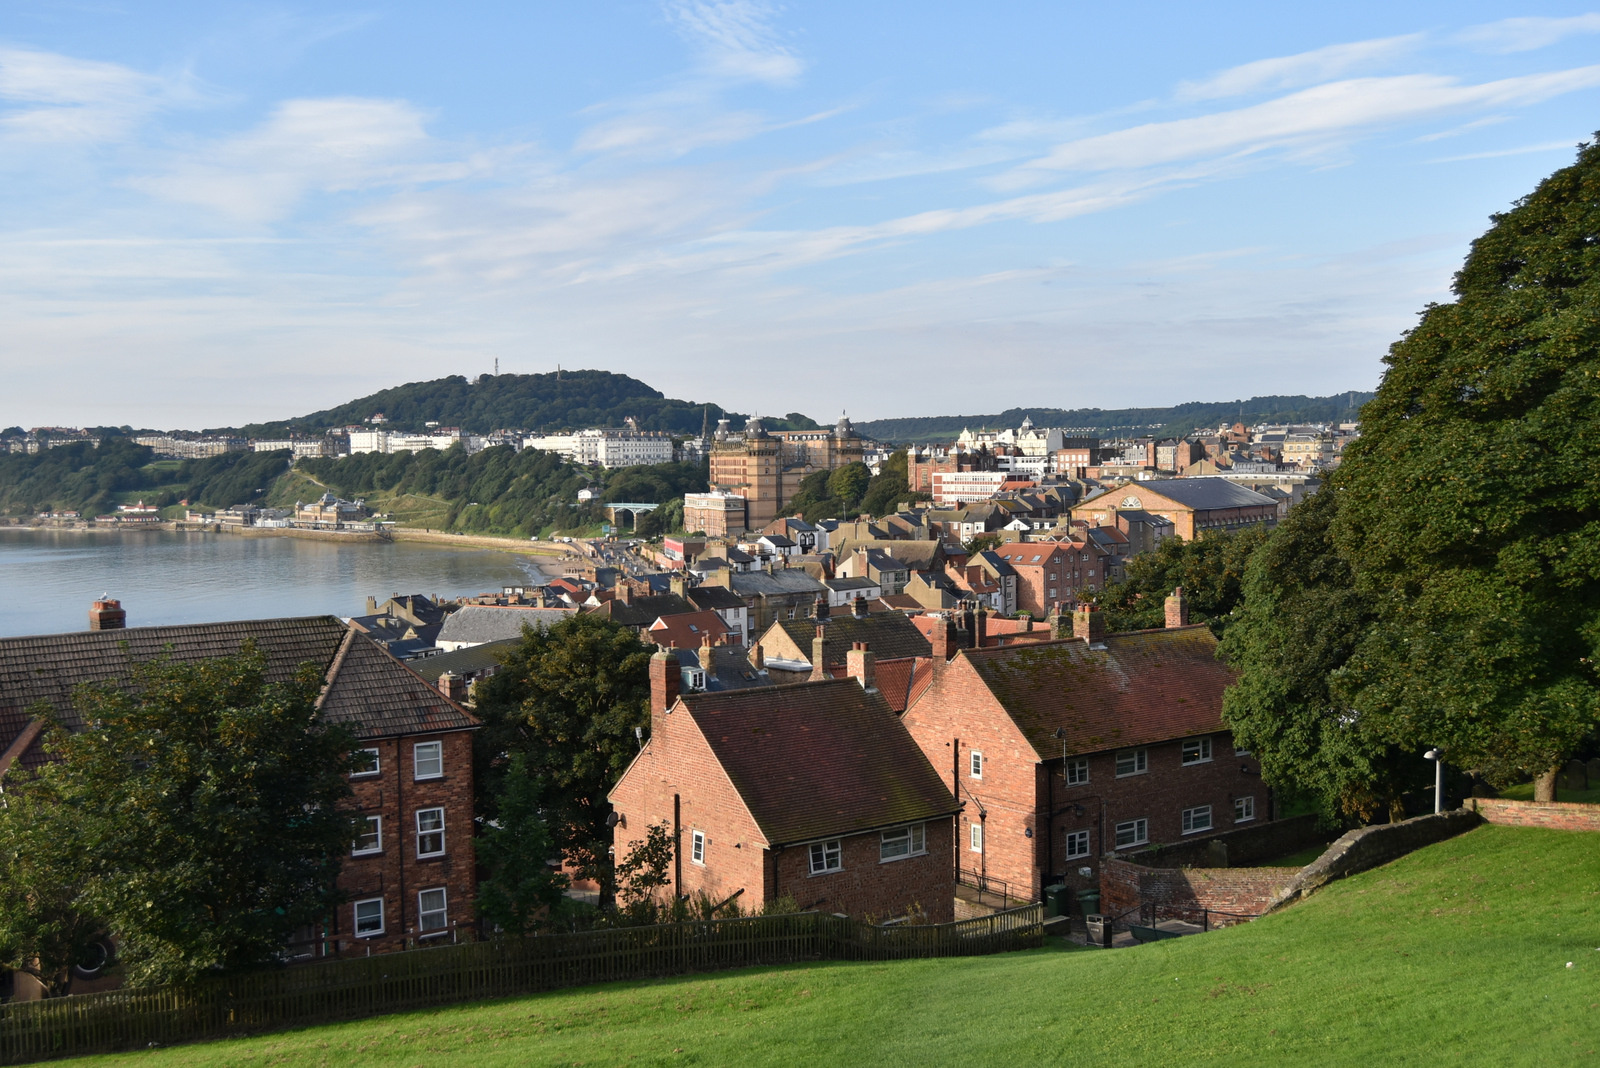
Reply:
x=1565, y=816
x=1244, y=891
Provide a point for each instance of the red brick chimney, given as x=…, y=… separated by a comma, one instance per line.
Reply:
x=624, y=592
x=1177, y=609
x=666, y=679
x=106, y=614
x=980, y=625
x=946, y=640
x=861, y=666
x=453, y=686
x=1089, y=623
x=758, y=657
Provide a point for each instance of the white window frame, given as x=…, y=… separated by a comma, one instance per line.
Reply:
x=1077, y=844
x=902, y=842
x=975, y=764
x=1196, y=750
x=1193, y=816
x=443, y=912
x=975, y=837
x=697, y=848
x=429, y=832
x=1136, y=831
x=1244, y=809
x=355, y=913
x=1240, y=752
x=437, y=749
x=1138, y=761
x=827, y=857
x=373, y=770
x=375, y=832
x=1077, y=771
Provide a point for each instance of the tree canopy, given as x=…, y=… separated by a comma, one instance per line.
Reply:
x=1210, y=569
x=202, y=820
x=567, y=700
x=1465, y=522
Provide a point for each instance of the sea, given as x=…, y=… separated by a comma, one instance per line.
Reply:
x=49, y=578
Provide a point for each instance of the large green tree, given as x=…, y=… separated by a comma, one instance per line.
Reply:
x=567, y=699
x=1467, y=519
x=201, y=817
x=1210, y=569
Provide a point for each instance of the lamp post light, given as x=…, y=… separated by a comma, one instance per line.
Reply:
x=1438, y=778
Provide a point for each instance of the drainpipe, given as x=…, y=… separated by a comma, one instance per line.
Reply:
x=400, y=812
x=955, y=790
x=677, y=848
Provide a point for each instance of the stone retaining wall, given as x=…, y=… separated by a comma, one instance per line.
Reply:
x=1369, y=847
x=1565, y=816
x=1243, y=892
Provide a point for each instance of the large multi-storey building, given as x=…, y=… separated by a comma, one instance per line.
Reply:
x=607, y=448
x=765, y=468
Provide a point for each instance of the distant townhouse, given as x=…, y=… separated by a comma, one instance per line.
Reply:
x=771, y=594
x=876, y=564
x=819, y=647
x=813, y=792
x=1068, y=750
x=1053, y=572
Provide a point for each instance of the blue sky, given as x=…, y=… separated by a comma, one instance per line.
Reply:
x=221, y=212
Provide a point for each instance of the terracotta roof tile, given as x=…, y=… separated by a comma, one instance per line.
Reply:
x=819, y=759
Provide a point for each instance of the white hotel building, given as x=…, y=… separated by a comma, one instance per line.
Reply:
x=607, y=448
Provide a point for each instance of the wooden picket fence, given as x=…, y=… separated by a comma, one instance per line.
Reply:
x=325, y=991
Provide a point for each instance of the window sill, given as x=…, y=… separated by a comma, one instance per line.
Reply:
x=1134, y=845
x=369, y=934
x=432, y=935
x=1132, y=774
x=1194, y=763
x=1198, y=830
x=1247, y=819
x=366, y=853
x=907, y=856
x=430, y=856
x=427, y=778
x=830, y=871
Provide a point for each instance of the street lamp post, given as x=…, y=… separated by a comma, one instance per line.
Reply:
x=1438, y=778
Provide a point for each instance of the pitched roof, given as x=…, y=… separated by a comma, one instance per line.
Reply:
x=480, y=623
x=714, y=598
x=472, y=659
x=819, y=759
x=781, y=583
x=730, y=668
x=889, y=635
x=902, y=681
x=1203, y=494
x=643, y=611
x=1143, y=687
x=688, y=630
x=370, y=690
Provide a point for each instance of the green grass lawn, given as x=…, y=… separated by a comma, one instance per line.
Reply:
x=1454, y=955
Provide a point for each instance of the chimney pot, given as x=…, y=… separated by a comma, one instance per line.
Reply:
x=107, y=614
x=861, y=665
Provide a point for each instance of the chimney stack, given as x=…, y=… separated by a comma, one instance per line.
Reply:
x=861, y=666
x=666, y=679
x=758, y=658
x=969, y=624
x=1057, y=623
x=107, y=614
x=858, y=607
x=1089, y=623
x=1177, y=609
x=624, y=592
x=819, y=667
x=820, y=609
x=453, y=686
x=946, y=642
x=679, y=584
x=980, y=625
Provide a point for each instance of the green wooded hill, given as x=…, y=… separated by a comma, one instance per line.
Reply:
x=1168, y=422
x=91, y=480
x=556, y=401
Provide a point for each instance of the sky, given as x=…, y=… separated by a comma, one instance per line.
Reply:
x=221, y=212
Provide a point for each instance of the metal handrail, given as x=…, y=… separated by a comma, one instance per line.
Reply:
x=983, y=884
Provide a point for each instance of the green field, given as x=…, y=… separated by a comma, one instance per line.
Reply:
x=1454, y=955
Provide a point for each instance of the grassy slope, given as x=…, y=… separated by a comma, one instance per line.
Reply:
x=1454, y=955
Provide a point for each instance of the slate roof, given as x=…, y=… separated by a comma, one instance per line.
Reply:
x=480, y=623
x=1144, y=687
x=782, y=583
x=714, y=599
x=1203, y=494
x=468, y=661
x=643, y=611
x=889, y=635
x=731, y=666
x=819, y=760
x=846, y=585
x=370, y=689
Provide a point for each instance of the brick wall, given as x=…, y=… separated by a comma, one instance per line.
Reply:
x=868, y=887
x=396, y=874
x=1240, y=891
x=1234, y=848
x=1023, y=844
x=1565, y=816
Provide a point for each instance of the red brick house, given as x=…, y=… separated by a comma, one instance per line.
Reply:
x=813, y=791
x=1067, y=750
x=1052, y=572
x=411, y=876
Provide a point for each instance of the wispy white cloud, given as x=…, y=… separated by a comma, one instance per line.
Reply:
x=1324, y=111
x=327, y=145
x=1548, y=146
x=1301, y=69
x=735, y=39
x=46, y=97
x=1527, y=33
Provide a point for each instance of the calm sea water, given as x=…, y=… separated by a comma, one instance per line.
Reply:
x=49, y=578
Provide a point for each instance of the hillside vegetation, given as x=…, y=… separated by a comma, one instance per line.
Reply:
x=90, y=480
x=572, y=399
x=1169, y=422
x=1454, y=955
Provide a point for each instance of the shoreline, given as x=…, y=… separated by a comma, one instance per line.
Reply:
x=549, y=557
